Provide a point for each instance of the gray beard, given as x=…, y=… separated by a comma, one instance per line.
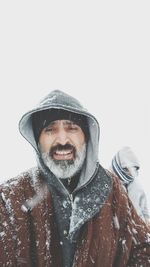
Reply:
x=64, y=169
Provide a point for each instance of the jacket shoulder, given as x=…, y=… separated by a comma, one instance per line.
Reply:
x=20, y=187
x=13, y=221
x=30, y=175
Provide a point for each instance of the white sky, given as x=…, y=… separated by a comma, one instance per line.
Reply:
x=97, y=51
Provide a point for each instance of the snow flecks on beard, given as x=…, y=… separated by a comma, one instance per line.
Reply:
x=65, y=168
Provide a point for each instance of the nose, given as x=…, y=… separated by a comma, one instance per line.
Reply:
x=62, y=137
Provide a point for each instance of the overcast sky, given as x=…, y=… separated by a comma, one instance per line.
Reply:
x=97, y=51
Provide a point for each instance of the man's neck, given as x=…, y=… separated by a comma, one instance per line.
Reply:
x=71, y=183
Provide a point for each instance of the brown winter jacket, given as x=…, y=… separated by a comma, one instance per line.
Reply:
x=115, y=237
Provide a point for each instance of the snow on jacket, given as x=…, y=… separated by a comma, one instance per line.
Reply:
x=103, y=222
x=114, y=237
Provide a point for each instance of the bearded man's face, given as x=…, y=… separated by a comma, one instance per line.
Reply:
x=63, y=148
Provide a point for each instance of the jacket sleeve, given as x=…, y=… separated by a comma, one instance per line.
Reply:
x=7, y=236
x=138, y=197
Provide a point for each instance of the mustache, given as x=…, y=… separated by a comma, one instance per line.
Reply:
x=60, y=147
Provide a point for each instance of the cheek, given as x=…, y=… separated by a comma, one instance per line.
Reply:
x=80, y=140
x=45, y=144
x=133, y=172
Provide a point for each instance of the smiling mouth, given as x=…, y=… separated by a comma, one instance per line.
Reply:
x=63, y=155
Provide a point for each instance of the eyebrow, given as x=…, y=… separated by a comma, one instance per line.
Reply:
x=68, y=122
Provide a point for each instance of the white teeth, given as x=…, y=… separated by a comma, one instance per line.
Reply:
x=63, y=152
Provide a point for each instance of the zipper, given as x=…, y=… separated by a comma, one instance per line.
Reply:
x=71, y=197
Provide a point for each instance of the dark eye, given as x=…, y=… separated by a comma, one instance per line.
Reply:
x=49, y=129
x=73, y=127
x=125, y=169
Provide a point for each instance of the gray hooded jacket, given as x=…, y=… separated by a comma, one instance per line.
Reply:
x=125, y=158
x=72, y=211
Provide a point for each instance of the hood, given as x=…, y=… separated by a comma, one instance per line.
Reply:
x=59, y=100
x=125, y=158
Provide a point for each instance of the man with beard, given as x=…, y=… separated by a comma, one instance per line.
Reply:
x=69, y=211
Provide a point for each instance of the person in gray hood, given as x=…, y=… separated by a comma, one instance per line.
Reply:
x=68, y=211
x=126, y=166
